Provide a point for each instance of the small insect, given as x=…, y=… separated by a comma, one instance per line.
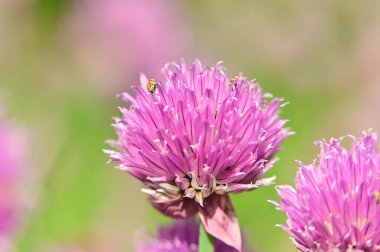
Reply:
x=377, y=196
x=234, y=79
x=217, y=110
x=215, y=113
x=151, y=85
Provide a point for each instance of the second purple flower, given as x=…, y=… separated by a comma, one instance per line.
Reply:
x=196, y=135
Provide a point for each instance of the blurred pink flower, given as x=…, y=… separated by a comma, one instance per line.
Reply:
x=11, y=162
x=119, y=38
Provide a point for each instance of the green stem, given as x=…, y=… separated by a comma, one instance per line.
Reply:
x=206, y=241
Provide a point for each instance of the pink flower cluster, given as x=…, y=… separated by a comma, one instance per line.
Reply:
x=193, y=136
x=336, y=203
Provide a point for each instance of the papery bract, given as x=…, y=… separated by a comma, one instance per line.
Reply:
x=336, y=204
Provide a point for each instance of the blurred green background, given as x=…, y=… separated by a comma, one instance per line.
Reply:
x=63, y=62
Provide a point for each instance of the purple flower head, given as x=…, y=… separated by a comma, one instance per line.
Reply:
x=194, y=136
x=336, y=204
x=181, y=236
x=11, y=153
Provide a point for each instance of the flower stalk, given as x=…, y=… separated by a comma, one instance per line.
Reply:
x=206, y=241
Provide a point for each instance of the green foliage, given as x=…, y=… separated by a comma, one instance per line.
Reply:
x=206, y=241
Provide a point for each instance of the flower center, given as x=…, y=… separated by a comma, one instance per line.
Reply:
x=189, y=187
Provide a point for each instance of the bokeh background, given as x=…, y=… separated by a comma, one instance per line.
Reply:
x=62, y=62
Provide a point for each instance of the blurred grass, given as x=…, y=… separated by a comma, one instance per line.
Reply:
x=49, y=13
x=76, y=183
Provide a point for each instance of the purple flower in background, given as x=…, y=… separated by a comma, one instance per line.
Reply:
x=336, y=203
x=194, y=136
x=118, y=38
x=11, y=158
x=181, y=236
